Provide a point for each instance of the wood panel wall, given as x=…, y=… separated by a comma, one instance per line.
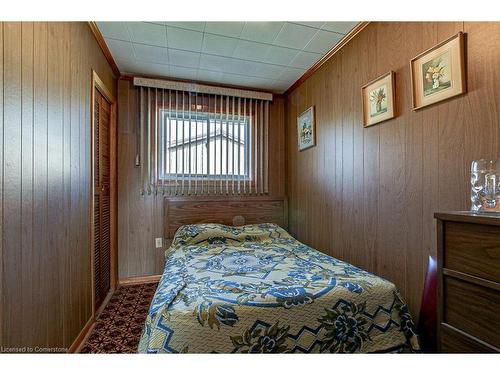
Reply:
x=45, y=80
x=368, y=196
x=141, y=218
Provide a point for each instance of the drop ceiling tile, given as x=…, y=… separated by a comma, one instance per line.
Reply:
x=148, y=33
x=115, y=30
x=250, y=50
x=248, y=68
x=310, y=24
x=184, y=58
x=120, y=49
x=128, y=66
x=282, y=85
x=196, y=26
x=184, y=39
x=240, y=80
x=209, y=76
x=290, y=74
x=219, y=45
x=257, y=82
x=339, y=27
x=182, y=72
x=280, y=55
x=226, y=65
x=322, y=41
x=232, y=29
x=151, y=54
x=267, y=71
x=305, y=60
x=161, y=23
x=261, y=31
x=155, y=69
x=217, y=63
x=294, y=36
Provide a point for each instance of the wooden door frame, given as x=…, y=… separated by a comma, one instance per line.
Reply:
x=98, y=84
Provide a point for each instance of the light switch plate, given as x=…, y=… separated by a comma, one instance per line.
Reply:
x=159, y=242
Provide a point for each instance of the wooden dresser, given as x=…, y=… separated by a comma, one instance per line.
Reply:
x=468, y=254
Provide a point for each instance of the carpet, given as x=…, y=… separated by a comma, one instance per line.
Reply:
x=118, y=328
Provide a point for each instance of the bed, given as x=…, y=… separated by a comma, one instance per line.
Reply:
x=255, y=289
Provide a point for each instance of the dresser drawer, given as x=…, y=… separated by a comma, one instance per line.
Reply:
x=472, y=309
x=472, y=249
x=453, y=341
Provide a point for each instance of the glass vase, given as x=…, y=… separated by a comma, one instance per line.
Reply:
x=485, y=185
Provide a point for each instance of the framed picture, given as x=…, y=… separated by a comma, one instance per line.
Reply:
x=306, y=129
x=439, y=73
x=378, y=100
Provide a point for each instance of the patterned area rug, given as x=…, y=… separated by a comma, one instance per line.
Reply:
x=118, y=328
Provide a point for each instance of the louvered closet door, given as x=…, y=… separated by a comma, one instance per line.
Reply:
x=102, y=241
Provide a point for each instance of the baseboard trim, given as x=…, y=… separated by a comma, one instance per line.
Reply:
x=82, y=336
x=139, y=280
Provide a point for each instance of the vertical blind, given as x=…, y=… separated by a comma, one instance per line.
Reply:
x=202, y=142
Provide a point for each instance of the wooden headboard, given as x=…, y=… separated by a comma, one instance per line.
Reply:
x=223, y=210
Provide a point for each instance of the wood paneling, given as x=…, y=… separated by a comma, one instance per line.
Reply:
x=367, y=196
x=141, y=217
x=45, y=80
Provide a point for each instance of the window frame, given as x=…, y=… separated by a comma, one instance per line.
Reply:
x=168, y=179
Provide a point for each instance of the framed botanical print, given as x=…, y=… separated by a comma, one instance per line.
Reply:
x=306, y=130
x=439, y=73
x=378, y=99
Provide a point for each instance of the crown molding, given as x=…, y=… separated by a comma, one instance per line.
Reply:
x=104, y=48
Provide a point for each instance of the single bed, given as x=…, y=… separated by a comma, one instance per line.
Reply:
x=255, y=289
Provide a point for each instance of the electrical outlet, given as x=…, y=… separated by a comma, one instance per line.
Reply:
x=159, y=242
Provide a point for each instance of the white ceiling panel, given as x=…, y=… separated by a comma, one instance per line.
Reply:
x=304, y=60
x=322, y=41
x=184, y=39
x=120, y=49
x=339, y=27
x=148, y=33
x=216, y=63
x=290, y=74
x=153, y=54
x=188, y=59
x=183, y=72
x=114, y=30
x=196, y=26
x=266, y=70
x=280, y=55
x=155, y=69
x=265, y=55
x=232, y=29
x=294, y=36
x=263, y=32
x=316, y=25
x=219, y=45
x=209, y=75
x=250, y=50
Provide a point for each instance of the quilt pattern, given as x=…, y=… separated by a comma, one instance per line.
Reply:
x=255, y=289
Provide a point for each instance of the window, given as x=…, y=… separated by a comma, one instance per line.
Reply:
x=201, y=141
x=204, y=146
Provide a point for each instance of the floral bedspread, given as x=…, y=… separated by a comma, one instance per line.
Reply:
x=255, y=289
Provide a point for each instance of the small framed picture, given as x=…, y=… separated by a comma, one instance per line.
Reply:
x=306, y=129
x=439, y=73
x=378, y=100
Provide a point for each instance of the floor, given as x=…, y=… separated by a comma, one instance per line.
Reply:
x=118, y=328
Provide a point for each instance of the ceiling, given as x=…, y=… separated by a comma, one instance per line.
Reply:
x=263, y=55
